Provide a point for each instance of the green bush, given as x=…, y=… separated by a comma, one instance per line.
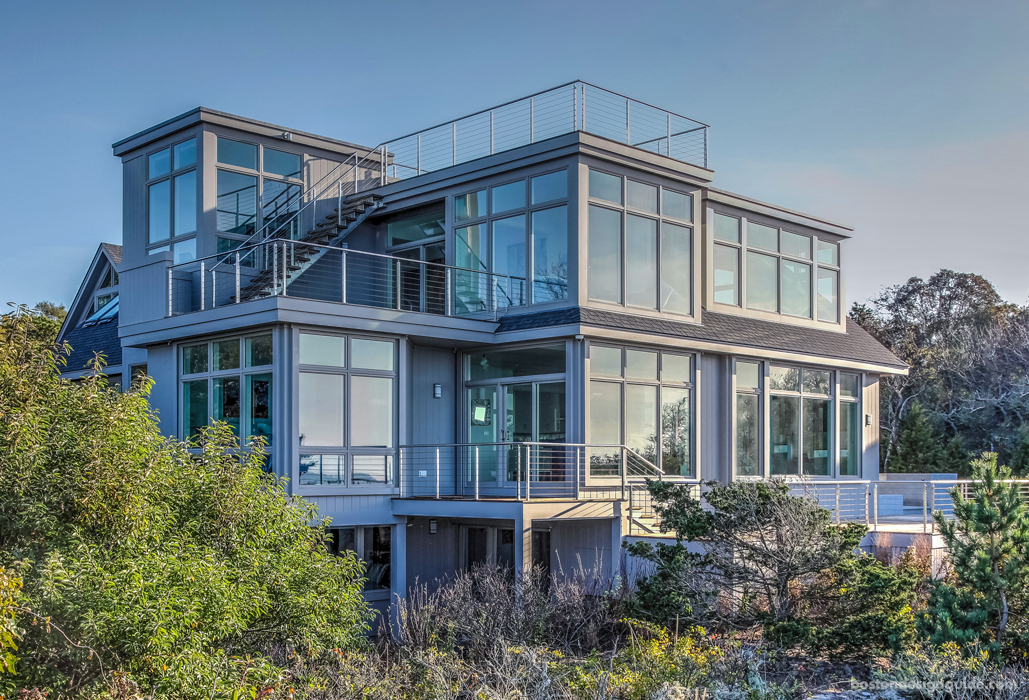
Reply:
x=179, y=568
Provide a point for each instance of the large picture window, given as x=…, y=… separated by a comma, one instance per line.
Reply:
x=641, y=399
x=640, y=253
x=172, y=200
x=347, y=387
x=228, y=380
x=372, y=544
x=518, y=231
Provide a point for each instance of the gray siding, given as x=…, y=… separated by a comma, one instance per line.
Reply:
x=584, y=544
x=163, y=396
x=432, y=421
x=870, y=407
x=134, y=209
x=431, y=557
x=354, y=510
x=714, y=414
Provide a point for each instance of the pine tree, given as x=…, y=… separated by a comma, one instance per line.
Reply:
x=988, y=539
x=955, y=457
x=1019, y=462
x=917, y=447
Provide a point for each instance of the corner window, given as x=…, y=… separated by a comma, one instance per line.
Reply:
x=511, y=247
x=636, y=257
x=347, y=393
x=215, y=387
x=172, y=200
x=641, y=399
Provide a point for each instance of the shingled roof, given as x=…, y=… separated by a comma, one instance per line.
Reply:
x=740, y=331
x=85, y=341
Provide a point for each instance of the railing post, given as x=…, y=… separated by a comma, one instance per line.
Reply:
x=837, y=504
x=202, y=285
x=490, y=133
x=584, y=106
x=418, y=156
x=339, y=203
x=453, y=139
x=528, y=473
x=275, y=269
x=623, y=468
x=476, y=472
x=285, y=268
x=925, y=519
x=628, y=138
x=447, y=281
x=630, y=513
x=170, y=291
x=437, y=473
x=932, y=506
x=577, y=454
x=343, y=276
x=214, y=287
x=382, y=165
x=518, y=473
x=575, y=107
x=396, y=283
x=669, y=151
x=532, y=120
x=237, y=276
x=875, y=504
x=866, y=505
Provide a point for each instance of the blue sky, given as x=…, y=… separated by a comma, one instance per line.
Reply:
x=907, y=120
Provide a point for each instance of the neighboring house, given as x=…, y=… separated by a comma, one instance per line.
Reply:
x=475, y=342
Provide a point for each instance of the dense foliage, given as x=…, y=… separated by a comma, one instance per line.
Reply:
x=144, y=562
x=968, y=351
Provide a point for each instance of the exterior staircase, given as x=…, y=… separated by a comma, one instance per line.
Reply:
x=307, y=250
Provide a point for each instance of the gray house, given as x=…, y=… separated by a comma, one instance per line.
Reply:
x=474, y=343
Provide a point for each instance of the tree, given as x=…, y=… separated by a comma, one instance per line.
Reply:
x=183, y=566
x=988, y=540
x=917, y=446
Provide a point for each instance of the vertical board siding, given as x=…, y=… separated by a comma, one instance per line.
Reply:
x=714, y=424
x=584, y=544
x=870, y=433
x=432, y=420
x=134, y=208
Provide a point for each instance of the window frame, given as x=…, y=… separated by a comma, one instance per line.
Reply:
x=348, y=450
x=487, y=219
x=660, y=383
x=743, y=249
x=625, y=210
x=168, y=244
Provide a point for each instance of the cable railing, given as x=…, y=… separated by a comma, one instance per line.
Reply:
x=520, y=471
x=575, y=106
x=328, y=273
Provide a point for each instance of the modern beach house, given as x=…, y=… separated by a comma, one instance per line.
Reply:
x=476, y=342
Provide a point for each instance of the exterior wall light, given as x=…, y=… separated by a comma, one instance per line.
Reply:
x=437, y=391
x=432, y=523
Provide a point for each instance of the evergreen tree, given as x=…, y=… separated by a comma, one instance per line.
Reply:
x=916, y=447
x=988, y=540
x=955, y=457
x=1019, y=462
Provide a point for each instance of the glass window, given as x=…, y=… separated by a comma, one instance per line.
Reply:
x=796, y=245
x=499, y=364
x=828, y=294
x=816, y=437
x=243, y=155
x=727, y=275
x=748, y=375
x=605, y=187
x=110, y=278
x=186, y=203
x=850, y=438
x=509, y=196
x=850, y=385
x=159, y=163
x=746, y=433
x=605, y=426
x=185, y=154
x=227, y=399
x=137, y=374
x=641, y=420
x=371, y=415
x=194, y=359
x=259, y=398
x=371, y=354
x=762, y=282
x=605, y=362
x=784, y=378
x=184, y=250
x=817, y=382
x=159, y=211
x=415, y=228
x=675, y=431
x=509, y=260
x=641, y=262
x=282, y=163
x=324, y=350
x=103, y=300
x=470, y=206
x=727, y=228
x=677, y=205
x=828, y=253
x=796, y=289
x=605, y=254
x=640, y=364
x=784, y=423
x=372, y=469
x=470, y=247
x=676, y=368
x=322, y=409
x=259, y=351
x=550, y=253
x=759, y=236
x=676, y=268
x=162, y=249
x=226, y=354
x=546, y=188
x=318, y=470
x=377, y=555
x=641, y=196
x=237, y=202
x=279, y=202
x=194, y=407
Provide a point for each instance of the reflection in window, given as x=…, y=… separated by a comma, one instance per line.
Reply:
x=675, y=431
x=470, y=206
x=641, y=261
x=747, y=435
x=726, y=275
x=282, y=163
x=243, y=155
x=377, y=555
x=160, y=211
x=641, y=196
x=185, y=154
x=508, y=197
x=605, y=362
x=676, y=205
x=605, y=427
x=605, y=187
x=605, y=254
x=727, y=228
x=676, y=268
x=194, y=407
x=816, y=437
x=508, y=247
x=237, y=202
x=159, y=164
x=259, y=399
x=321, y=409
x=796, y=289
x=186, y=203
x=415, y=228
x=783, y=425
x=547, y=188
x=828, y=295
x=550, y=253
x=322, y=470
x=762, y=282
x=227, y=400
x=500, y=364
x=850, y=438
